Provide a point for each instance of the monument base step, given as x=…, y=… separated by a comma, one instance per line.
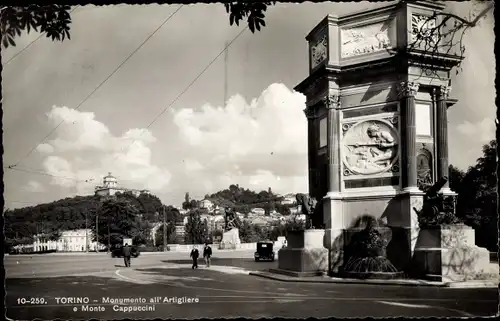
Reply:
x=297, y=274
x=303, y=259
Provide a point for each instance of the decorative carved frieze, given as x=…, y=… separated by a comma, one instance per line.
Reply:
x=345, y=127
x=370, y=147
x=332, y=101
x=393, y=120
x=319, y=51
x=364, y=40
x=347, y=172
x=407, y=89
x=423, y=30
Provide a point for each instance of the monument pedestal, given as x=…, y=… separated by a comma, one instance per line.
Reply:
x=448, y=253
x=230, y=240
x=304, y=254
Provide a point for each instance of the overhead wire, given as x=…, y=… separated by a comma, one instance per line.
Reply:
x=102, y=83
x=31, y=43
x=27, y=170
x=228, y=44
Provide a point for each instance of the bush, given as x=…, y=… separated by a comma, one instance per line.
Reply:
x=367, y=251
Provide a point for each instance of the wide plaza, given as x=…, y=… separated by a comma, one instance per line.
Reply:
x=223, y=290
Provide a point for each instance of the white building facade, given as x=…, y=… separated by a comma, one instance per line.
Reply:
x=110, y=187
x=69, y=241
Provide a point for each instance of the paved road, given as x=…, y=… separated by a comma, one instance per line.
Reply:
x=220, y=291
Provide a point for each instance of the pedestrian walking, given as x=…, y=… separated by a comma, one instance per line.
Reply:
x=194, y=255
x=126, y=255
x=207, y=254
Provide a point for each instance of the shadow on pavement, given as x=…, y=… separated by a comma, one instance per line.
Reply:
x=244, y=263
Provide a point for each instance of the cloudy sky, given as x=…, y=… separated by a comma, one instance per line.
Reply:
x=135, y=126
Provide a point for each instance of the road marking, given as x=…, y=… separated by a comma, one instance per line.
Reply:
x=424, y=306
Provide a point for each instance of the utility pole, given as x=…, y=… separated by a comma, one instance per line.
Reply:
x=109, y=237
x=164, y=229
x=225, y=72
x=86, y=232
x=97, y=229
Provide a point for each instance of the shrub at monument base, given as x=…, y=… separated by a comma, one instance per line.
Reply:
x=366, y=253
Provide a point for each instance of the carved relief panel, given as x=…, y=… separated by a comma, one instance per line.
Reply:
x=319, y=51
x=370, y=147
x=423, y=30
x=364, y=40
x=424, y=168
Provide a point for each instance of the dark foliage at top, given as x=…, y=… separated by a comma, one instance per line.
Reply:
x=53, y=20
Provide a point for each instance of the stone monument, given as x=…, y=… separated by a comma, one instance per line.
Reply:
x=231, y=235
x=377, y=123
x=304, y=254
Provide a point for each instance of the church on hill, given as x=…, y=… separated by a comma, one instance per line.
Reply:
x=110, y=187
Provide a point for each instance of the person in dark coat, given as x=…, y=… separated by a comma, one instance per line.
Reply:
x=126, y=255
x=194, y=255
x=207, y=254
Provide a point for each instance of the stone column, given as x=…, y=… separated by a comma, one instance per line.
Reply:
x=332, y=103
x=442, y=135
x=333, y=216
x=311, y=146
x=407, y=92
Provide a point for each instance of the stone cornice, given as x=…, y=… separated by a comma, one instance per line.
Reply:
x=310, y=112
x=407, y=89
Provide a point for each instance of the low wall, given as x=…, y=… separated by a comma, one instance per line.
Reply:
x=189, y=247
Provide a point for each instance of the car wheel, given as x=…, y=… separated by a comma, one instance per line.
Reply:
x=256, y=259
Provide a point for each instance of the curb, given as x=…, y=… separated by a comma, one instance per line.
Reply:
x=455, y=285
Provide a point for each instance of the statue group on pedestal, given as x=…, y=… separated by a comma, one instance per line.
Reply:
x=309, y=207
x=230, y=219
x=437, y=209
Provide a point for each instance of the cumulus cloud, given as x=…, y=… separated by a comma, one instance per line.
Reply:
x=482, y=131
x=45, y=148
x=257, y=144
x=85, y=150
x=34, y=187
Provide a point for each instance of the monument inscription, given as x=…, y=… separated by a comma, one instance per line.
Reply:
x=364, y=40
x=370, y=147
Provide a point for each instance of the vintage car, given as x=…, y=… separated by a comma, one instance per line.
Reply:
x=118, y=251
x=264, y=251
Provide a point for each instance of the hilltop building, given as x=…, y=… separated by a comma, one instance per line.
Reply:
x=110, y=187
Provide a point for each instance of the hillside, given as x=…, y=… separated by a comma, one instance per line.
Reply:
x=243, y=200
x=67, y=214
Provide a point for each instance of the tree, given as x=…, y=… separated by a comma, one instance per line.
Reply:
x=442, y=34
x=253, y=11
x=187, y=202
x=53, y=20
x=171, y=235
x=247, y=232
x=194, y=229
x=477, y=198
x=456, y=176
x=118, y=219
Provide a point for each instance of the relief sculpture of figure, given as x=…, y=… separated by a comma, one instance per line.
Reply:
x=379, y=150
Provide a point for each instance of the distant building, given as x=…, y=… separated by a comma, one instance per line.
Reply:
x=288, y=199
x=110, y=187
x=69, y=241
x=258, y=211
x=207, y=204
